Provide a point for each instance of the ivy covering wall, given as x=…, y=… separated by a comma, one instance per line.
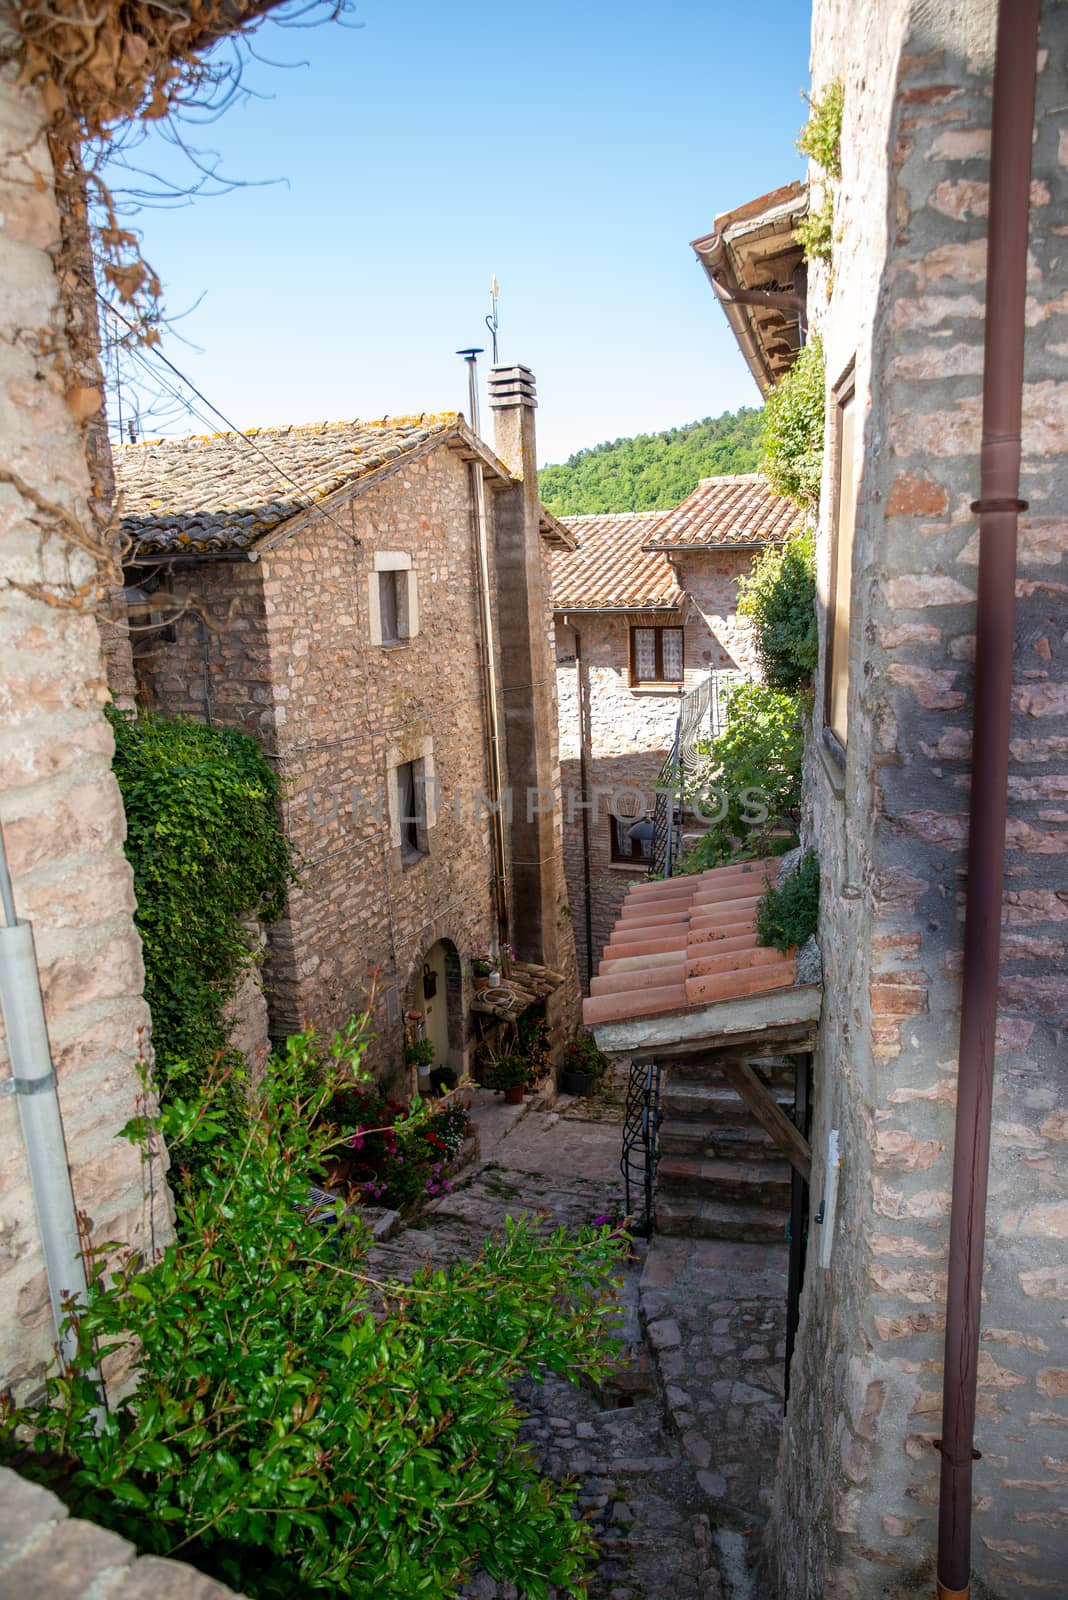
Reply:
x=208, y=854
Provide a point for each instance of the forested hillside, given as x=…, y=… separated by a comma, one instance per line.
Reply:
x=654, y=470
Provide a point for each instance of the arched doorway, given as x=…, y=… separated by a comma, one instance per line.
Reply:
x=439, y=996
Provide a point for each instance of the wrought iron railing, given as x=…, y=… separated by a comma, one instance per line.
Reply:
x=641, y=1124
x=702, y=717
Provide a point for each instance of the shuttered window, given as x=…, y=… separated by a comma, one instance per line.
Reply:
x=840, y=596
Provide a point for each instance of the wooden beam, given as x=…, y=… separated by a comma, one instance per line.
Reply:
x=744, y=1081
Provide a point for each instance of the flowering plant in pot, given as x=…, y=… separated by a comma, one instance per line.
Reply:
x=419, y=1053
x=584, y=1065
x=512, y=1075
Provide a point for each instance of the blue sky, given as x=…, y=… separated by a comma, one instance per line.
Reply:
x=572, y=149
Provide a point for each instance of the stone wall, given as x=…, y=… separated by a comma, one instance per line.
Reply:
x=287, y=656
x=856, y=1505
x=59, y=804
x=45, y=1553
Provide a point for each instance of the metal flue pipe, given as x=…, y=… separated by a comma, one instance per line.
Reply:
x=998, y=508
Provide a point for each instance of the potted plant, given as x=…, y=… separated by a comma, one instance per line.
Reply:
x=584, y=1065
x=511, y=1074
x=480, y=972
x=419, y=1053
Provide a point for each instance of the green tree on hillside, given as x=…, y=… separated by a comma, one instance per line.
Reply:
x=654, y=470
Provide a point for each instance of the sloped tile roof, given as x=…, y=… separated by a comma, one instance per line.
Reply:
x=724, y=512
x=610, y=569
x=220, y=491
x=687, y=941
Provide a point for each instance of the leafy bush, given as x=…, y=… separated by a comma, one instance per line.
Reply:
x=203, y=839
x=779, y=596
x=753, y=789
x=788, y=913
x=298, y=1428
x=793, y=429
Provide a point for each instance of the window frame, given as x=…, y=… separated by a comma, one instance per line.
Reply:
x=843, y=396
x=414, y=833
x=615, y=826
x=658, y=629
x=399, y=563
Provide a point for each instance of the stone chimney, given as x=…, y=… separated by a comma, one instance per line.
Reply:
x=527, y=673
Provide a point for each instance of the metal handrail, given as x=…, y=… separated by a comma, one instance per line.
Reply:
x=641, y=1127
x=702, y=714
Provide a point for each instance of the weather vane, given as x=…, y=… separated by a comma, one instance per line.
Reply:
x=492, y=321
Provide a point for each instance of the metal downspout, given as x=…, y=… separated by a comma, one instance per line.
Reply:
x=33, y=1084
x=998, y=508
x=584, y=722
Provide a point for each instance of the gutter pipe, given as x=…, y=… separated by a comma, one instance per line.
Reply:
x=33, y=1084
x=998, y=509
x=584, y=719
x=489, y=666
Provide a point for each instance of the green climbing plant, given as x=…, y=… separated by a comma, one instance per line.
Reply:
x=779, y=597
x=794, y=429
x=207, y=852
x=821, y=140
x=788, y=914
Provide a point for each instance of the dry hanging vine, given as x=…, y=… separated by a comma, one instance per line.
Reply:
x=100, y=66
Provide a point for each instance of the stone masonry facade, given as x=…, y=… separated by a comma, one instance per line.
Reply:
x=856, y=1505
x=628, y=728
x=286, y=654
x=59, y=804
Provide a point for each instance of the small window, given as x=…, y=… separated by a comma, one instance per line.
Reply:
x=625, y=847
x=388, y=607
x=840, y=593
x=411, y=811
x=656, y=655
x=394, y=604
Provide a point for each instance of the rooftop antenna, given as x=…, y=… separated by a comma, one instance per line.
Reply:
x=492, y=321
x=471, y=357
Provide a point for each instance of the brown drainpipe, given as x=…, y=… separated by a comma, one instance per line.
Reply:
x=998, y=508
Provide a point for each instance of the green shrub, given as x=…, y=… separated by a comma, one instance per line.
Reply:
x=203, y=839
x=793, y=429
x=297, y=1427
x=779, y=596
x=821, y=140
x=821, y=137
x=788, y=914
x=752, y=794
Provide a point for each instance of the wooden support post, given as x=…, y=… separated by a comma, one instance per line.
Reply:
x=744, y=1081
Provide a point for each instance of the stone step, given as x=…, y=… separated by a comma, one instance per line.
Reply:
x=746, y=1141
x=778, y=1070
x=763, y=1183
x=720, y=1219
x=714, y=1103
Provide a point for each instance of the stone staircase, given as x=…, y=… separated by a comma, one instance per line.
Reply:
x=720, y=1175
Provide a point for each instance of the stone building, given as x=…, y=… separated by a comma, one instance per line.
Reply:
x=901, y=317
x=646, y=609
x=340, y=623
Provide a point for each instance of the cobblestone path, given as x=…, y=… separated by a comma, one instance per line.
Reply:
x=675, y=1473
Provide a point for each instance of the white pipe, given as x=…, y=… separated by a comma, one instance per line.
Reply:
x=33, y=1084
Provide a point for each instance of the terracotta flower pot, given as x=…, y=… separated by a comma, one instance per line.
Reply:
x=513, y=1095
x=480, y=981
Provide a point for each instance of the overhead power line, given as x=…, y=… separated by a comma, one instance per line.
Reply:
x=138, y=355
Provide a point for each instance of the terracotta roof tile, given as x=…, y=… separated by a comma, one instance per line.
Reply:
x=215, y=492
x=610, y=569
x=724, y=512
x=687, y=941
